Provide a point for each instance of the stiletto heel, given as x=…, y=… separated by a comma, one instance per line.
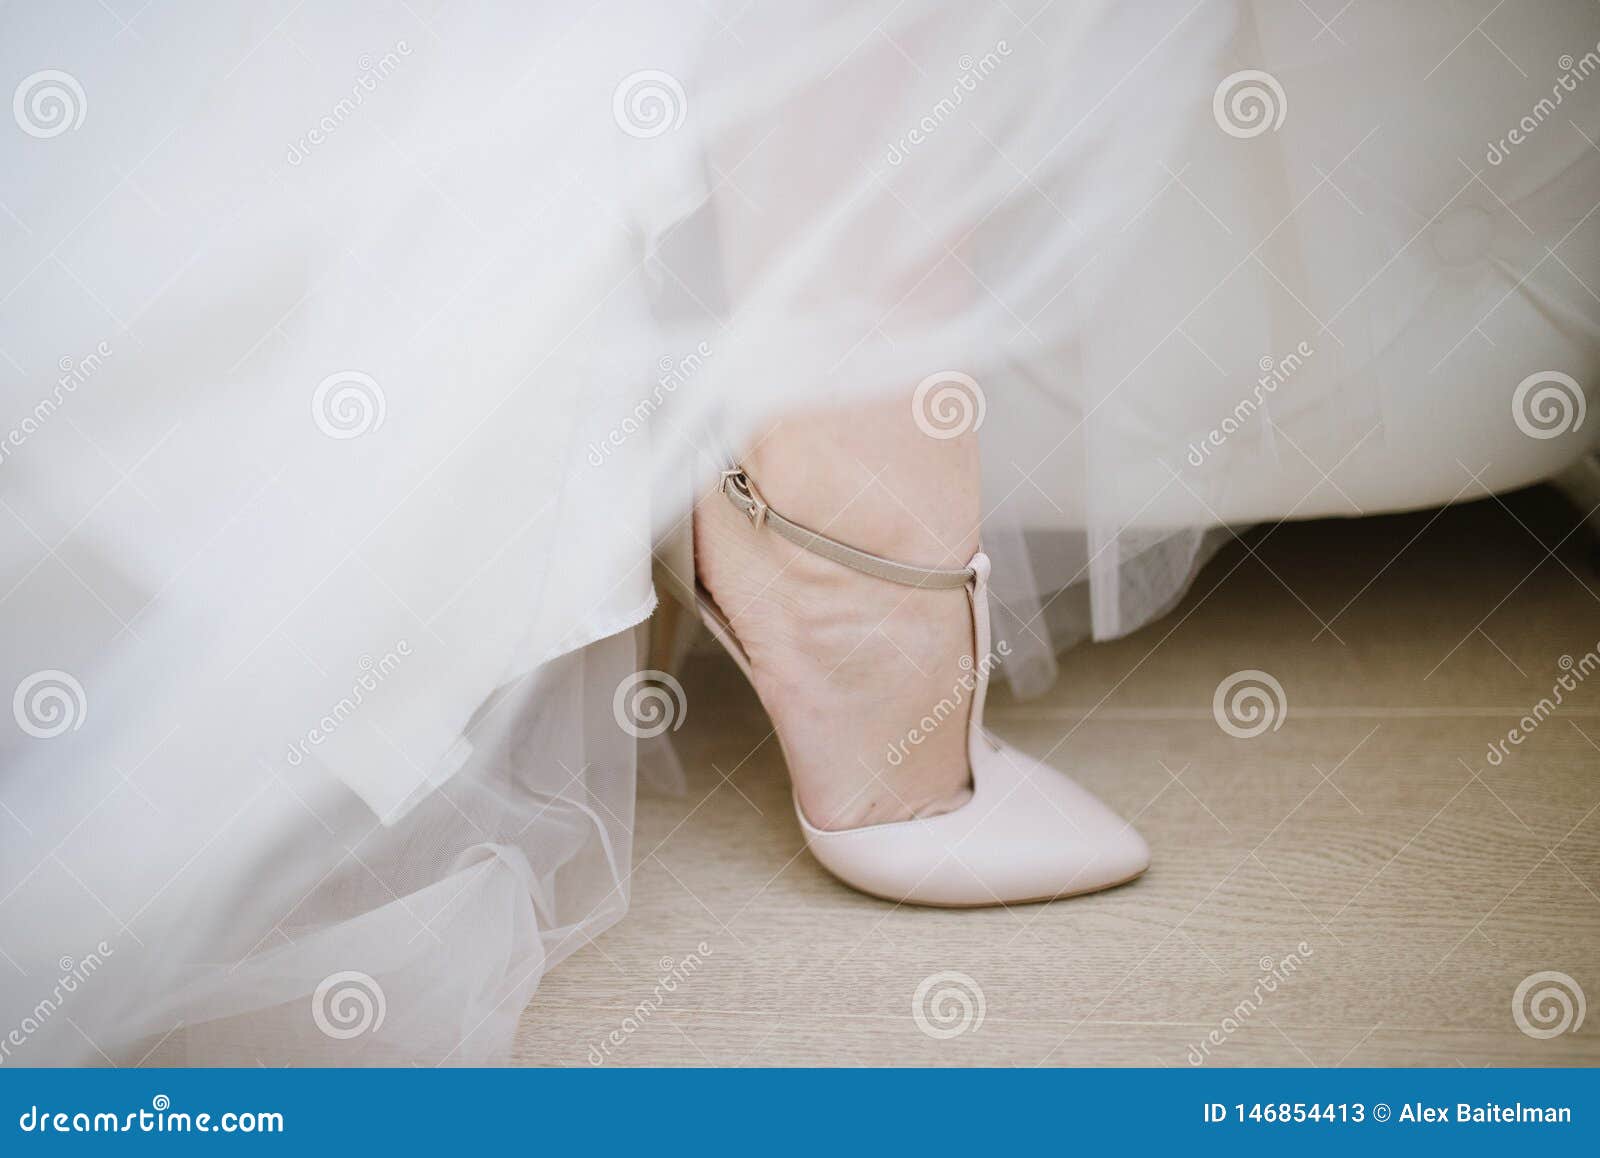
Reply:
x=1029, y=833
x=667, y=638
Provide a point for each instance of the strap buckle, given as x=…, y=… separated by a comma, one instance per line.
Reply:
x=736, y=485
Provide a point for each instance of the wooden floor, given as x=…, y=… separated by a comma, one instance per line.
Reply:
x=1414, y=884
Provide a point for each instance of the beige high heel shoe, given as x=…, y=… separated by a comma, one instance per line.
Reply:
x=1028, y=834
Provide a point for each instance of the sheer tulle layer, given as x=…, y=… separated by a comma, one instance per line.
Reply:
x=354, y=361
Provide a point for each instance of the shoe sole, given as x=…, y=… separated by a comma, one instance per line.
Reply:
x=1044, y=900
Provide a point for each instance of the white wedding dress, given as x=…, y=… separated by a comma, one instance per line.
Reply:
x=353, y=356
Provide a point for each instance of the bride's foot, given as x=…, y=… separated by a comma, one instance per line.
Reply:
x=853, y=669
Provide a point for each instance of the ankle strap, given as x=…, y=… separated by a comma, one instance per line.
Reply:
x=742, y=493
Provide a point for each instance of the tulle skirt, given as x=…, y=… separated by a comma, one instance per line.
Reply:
x=354, y=357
